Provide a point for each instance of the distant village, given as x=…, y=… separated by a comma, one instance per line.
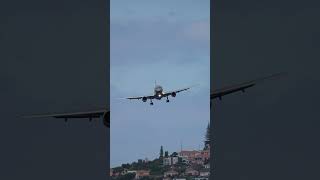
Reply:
x=183, y=165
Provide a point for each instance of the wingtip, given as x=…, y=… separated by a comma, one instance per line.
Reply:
x=120, y=98
x=28, y=116
x=273, y=76
x=280, y=74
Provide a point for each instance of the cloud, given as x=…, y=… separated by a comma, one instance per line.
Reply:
x=141, y=41
x=169, y=43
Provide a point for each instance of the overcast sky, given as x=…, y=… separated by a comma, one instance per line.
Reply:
x=54, y=58
x=168, y=42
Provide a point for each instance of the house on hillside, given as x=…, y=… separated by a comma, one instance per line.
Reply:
x=191, y=172
x=142, y=173
x=204, y=173
x=168, y=161
x=195, y=157
x=205, y=155
x=188, y=154
x=128, y=171
x=207, y=165
x=200, y=178
x=171, y=173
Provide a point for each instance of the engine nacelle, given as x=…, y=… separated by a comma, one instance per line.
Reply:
x=144, y=99
x=173, y=94
x=106, y=119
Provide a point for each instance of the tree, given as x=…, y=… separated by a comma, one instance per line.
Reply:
x=166, y=154
x=208, y=133
x=117, y=169
x=174, y=154
x=161, y=152
x=126, y=166
x=128, y=176
x=155, y=167
x=207, y=137
x=145, y=178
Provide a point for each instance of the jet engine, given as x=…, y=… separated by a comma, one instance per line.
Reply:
x=106, y=119
x=144, y=99
x=173, y=94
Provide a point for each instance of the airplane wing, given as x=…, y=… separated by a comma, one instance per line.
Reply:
x=140, y=97
x=88, y=114
x=177, y=91
x=240, y=87
x=78, y=115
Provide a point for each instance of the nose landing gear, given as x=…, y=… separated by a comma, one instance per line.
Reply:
x=151, y=103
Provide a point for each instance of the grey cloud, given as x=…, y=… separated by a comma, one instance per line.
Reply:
x=153, y=41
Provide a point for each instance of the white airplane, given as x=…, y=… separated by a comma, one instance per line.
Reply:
x=159, y=94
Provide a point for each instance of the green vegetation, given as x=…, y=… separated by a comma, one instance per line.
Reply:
x=174, y=154
x=207, y=138
x=161, y=152
x=166, y=154
x=156, y=169
x=154, y=166
x=128, y=176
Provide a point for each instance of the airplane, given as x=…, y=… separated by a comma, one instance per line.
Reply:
x=105, y=113
x=159, y=94
x=219, y=93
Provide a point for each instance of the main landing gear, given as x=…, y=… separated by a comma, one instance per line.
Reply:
x=151, y=103
x=167, y=99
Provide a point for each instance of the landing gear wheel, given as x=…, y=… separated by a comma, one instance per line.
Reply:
x=151, y=103
x=168, y=100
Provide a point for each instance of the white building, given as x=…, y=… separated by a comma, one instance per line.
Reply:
x=168, y=161
x=174, y=160
x=200, y=178
x=205, y=173
x=207, y=166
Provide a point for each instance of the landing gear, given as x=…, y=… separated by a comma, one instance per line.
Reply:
x=151, y=103
x=167, y=99
x=66, y=122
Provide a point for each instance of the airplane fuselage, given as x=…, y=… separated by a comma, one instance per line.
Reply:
x=158, y=92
